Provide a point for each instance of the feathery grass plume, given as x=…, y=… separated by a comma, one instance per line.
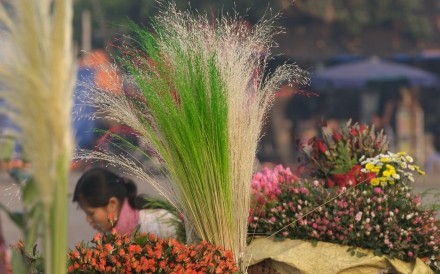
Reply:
x=37, y=78
x=204, y=97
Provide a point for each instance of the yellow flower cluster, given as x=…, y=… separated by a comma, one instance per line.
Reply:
x=390, y=168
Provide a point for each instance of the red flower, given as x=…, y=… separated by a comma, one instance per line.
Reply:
x=356, y=169
x=337, y=136
x=330, y=183
x=321, y=146
x=353, y=132
x=340, y=179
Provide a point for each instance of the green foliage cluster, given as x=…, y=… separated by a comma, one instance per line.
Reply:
x=25, y=258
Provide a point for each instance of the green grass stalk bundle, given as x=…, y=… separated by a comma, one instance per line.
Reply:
x=202, y=99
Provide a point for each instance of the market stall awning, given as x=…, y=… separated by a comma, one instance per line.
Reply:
x=359, y=74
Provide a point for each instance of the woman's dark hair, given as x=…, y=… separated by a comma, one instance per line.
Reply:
x=97, y=185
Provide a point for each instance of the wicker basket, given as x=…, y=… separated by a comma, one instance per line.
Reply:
x=264, y=267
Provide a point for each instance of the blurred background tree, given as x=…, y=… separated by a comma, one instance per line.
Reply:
x=331, y=25
x=352, y=17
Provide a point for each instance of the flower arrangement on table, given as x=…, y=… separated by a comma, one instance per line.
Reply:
x=373, y=208
x=146, y=253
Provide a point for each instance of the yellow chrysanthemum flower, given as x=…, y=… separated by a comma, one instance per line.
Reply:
x=390, y=167
x=374, y=181
x=369, y=166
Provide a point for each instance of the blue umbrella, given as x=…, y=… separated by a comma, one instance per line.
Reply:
x=359, y=74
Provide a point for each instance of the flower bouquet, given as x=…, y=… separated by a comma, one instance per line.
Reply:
x=334, y=156
x=146, y=253
x=387, y=169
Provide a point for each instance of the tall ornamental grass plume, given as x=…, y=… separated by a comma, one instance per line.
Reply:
x=202, y=96
x=37, y=78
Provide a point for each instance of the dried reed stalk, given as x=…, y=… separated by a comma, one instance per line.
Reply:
x=37, y=78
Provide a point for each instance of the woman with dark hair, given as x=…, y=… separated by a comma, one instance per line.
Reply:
x=111, y=201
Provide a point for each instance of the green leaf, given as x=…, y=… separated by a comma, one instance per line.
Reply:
x=34, y=222
x=30, y=191
x=17, y=262
x=17, y=218
x=360, y=254
x=378, y=252
x=141, y=240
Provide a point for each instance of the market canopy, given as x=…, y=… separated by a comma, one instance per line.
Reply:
x=359, y=74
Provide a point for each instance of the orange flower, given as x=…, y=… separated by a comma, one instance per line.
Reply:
x=108, y=247
x=97, y=238
x=162, y=264
x=180, y=258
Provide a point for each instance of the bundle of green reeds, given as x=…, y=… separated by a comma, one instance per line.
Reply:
x=201, y=102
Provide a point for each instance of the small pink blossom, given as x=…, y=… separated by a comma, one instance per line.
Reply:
x=358, y=216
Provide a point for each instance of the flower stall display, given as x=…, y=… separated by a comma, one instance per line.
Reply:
x=146, y=253
x=386, y=220
x=372, y=211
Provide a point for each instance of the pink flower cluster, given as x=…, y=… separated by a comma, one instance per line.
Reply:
x=265, y=183
x=389, y=221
